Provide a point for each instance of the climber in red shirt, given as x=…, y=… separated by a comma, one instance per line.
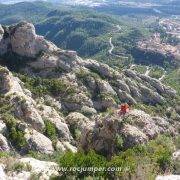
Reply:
x=123, y=109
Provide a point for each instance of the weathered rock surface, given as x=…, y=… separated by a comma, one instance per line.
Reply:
x=22, y=39
x=44, y=168
x=77, y=121
x=25, y=106
x=136, y=127
x=4, y=147
x=94, y=87
x=132, y=136
x=5, y=80
x=23, y=175
x=69, y=147
x=38, y=142
x=40, y=169
x=25, y=109
x=51, y=114
x=3, y=127
x=176, y=155
x=2, y=173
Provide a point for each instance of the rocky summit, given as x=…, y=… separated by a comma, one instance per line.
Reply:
x=57, y=102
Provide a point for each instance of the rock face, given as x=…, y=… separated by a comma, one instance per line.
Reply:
x=2, y=173
x=3, y=127
x=25, y=106
x=133, y=136
x=52, y=115
x=22, y=39
x=38, y=142
x=29, y=113
x=5, y=80
x=84, y=89
x=77, y=122
x=32, y=115
x=44, y=168
x=137, y=127
x=128, y=86
x=40, y=169
x=4, y=147
x=3, y=41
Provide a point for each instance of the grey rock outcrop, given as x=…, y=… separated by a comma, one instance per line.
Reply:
x=90, y=87
x=27, y=110
x=22, y=39
x=43, y=168
x=3, y=127
x=2, y=172
x=30, y=166
x=77, y=121
x=4, y=41
x=69, y=147
x=104, y=87
x=25, y=106
x=51, y=114
x=5, y=80
x=135, y=128
x=125, y=97
x=128, y=85
x=132, y=136
x=38, y=142
x=1, y=32
x=168, y=177
x=4, y=147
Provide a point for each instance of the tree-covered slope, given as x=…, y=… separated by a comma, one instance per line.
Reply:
x=30, y=11
x=72, y=28
x=83, y=31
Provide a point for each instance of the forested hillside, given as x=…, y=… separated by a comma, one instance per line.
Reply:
x=29, y=11
x=78, y=28
x=83, y=31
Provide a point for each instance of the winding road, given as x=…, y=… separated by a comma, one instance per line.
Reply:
x=110, y=51
x=112, y=46
x=148, y=70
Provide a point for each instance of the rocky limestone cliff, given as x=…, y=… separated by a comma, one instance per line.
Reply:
x=135, y=128
x=127, y=86
x=23, y=40
x=77, y=112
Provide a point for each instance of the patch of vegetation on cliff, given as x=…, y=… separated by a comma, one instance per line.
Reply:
x=50, y=131
x=40, y=86
x=144, y=161
x=15, y=135
x=5, y=107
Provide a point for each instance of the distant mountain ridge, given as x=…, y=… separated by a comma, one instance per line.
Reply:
x=91, y=2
